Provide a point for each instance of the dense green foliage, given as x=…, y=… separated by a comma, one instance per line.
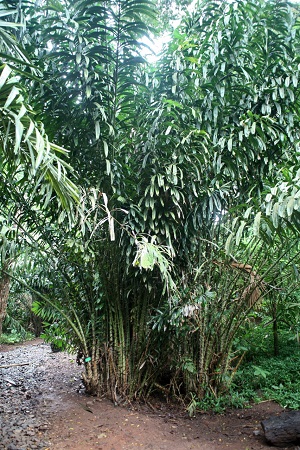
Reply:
x=264, y=376
x=269, y=378
x=14, y=337
x=188, y=171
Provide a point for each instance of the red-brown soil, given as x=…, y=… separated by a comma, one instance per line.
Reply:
x=79, y=422
x=117, y=428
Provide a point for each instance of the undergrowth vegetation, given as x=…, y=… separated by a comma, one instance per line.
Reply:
x=270, y=377
x=14, y=337
x=261, y=376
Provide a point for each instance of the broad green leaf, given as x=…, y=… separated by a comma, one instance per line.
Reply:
x=275, y=215
x=239, y=233
x=19, y=134
x=97, y=132
x=13, y=94
x=256, y=224
x=105, y=147
x=108, y=166
x=290, y=206
x=228, y=244
x=4, y=75
x=88, y=91
x=168, y=130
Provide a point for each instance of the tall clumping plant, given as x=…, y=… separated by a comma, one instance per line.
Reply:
x=93, y=68
x=112, y=337
x=215, y=300
x=222, y=124
x=185, y=160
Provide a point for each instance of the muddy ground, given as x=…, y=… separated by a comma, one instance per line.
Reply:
x=42, y=406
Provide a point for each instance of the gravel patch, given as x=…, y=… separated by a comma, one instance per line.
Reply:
x=31, y=394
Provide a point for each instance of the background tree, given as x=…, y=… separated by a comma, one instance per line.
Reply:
x=32, y=168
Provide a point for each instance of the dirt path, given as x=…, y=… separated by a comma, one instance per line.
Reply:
x=110, y=428
x=71, y=420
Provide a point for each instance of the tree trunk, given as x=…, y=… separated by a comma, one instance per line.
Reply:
x=275, y=327
x=4, y=292
x=283, y=430
x=275, y=337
